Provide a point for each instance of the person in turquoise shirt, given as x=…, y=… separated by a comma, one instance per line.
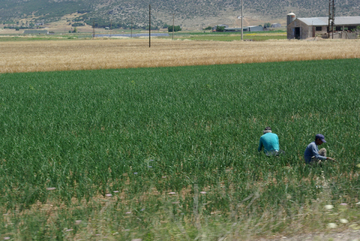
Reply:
x=270, y=142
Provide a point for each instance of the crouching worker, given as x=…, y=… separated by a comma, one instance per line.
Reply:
x=312, y=153
x=270, y=142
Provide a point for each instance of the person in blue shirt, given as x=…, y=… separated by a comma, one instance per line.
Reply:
x=270, y=142
x=313, y=154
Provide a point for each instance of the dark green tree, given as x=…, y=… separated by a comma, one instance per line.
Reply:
x=220, y=29
x=176, y=28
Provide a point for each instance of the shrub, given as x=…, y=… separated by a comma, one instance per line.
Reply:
x=77, y=24
x=176, y=28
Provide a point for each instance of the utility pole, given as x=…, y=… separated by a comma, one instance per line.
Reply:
x=242, y=17
x=149, y=25
x=331, y=17
x=173, y=26
x=93, y=29
x=333, y=21
x=110, y=26
x=131, y=24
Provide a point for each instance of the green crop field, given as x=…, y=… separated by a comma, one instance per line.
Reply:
x=171, y=153
x=235, y=37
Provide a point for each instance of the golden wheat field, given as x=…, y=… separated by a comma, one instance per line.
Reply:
x=29, y=56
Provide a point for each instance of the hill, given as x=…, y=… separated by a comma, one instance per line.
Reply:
x=191, y=14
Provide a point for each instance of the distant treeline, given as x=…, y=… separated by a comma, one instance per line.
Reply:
x=102, y=23
x=17, y=27
x=77, y=24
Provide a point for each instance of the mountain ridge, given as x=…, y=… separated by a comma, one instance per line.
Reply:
x=198, y=13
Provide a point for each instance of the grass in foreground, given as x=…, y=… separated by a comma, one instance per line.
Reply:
x=171, y=152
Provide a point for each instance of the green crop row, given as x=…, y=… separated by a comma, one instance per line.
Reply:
x=173, y=144
x=236, y=37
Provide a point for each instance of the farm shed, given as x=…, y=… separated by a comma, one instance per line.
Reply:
x=253, y=29
x=275, y=25
x=246, y=29
x=303, y=28
x=232, y=29
x=36, y=32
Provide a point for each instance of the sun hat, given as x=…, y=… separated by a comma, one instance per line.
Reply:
x=321, y=137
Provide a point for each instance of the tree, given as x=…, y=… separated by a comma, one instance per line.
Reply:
x=176, y=28
x=220, y=29
x=208, y=28
x=152, y=27
x=267, y=25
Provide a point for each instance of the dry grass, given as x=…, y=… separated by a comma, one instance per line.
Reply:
x=132, y=53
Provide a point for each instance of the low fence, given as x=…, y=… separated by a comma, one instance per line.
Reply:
x=342, y=35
